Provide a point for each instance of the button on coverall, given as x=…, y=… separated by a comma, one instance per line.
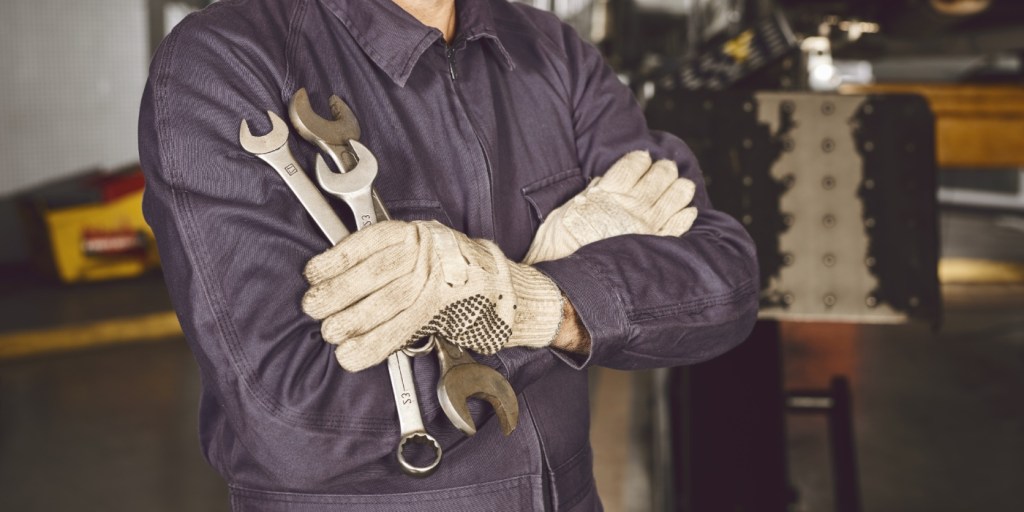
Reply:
x=486, y=135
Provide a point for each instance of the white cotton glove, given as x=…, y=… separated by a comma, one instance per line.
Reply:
x=393, y=283
x=633, y=198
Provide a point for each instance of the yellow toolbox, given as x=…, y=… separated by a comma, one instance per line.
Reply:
x=91, y=228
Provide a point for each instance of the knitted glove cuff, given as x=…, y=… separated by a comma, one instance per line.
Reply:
x=538, y=310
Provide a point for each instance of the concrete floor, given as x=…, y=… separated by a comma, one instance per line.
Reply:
x=938, y=418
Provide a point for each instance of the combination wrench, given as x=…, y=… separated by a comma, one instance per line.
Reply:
x=273, y=149
x=460, y=376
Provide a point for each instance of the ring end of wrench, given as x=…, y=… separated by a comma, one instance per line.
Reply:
x=424, y=439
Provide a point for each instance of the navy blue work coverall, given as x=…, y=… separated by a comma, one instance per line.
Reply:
x=486, y=135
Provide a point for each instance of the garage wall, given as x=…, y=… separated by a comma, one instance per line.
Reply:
x=72, y=78
x=72, y=74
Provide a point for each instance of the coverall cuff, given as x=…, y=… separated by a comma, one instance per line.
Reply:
x=599, y=307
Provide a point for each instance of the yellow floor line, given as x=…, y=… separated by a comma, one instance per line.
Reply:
x=119, y=331
x=973, y=271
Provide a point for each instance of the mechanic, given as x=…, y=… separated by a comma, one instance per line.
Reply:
x=487, y=118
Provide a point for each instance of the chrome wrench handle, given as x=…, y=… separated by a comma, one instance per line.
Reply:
x=273, y=149
x=354, y=186
x=410, y=423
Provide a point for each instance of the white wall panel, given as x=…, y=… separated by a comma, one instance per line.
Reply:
x=71, y=76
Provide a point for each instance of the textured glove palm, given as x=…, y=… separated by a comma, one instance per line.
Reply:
x=633, y=198
x=396, y=282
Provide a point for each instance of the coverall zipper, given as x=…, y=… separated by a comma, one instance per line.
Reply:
x=454, y=75
x=450, y=55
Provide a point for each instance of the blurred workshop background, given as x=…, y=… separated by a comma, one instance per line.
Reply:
x=873, y=148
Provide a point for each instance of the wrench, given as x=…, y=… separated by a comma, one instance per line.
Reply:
x=273, y=149
x=461, y=376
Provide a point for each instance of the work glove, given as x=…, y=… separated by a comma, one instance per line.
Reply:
x=633, y=198
x=393, y=283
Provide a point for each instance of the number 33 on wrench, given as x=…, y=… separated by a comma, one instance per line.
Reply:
x=273, y=149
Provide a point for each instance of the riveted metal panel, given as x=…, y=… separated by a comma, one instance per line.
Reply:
x=838, y=193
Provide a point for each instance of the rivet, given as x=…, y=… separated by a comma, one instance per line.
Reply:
x=788, y=219
x=748, y=220
x=747, y=143
x=871, y=301
x=869, y=146
x=788, y=299
x=915, y=302
x=789, y=181
x=869, y=109
x=828, y=182
x=748, y=106
x=869, y=184
x=788, y=144
x=788, y=107
x=788, y=259
x=829, y=220
x=829, y=259
x=828, y=108
x=748, y=181
x=828, y=145
x=829, y=300
x=869, y=261
x=869, y=222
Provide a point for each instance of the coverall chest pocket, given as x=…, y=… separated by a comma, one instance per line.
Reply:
x=551, y=192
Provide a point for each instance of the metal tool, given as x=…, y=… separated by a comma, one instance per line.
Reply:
x=461, y=376
x=273, y=149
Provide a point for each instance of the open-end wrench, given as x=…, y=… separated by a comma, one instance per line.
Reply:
x=332, y=136
x=273, y=149
x=461, y=376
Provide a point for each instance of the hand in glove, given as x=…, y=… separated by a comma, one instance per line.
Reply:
x=387, y=286
x=633, y=198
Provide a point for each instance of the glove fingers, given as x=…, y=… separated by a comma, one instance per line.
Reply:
x=362, y=352
x=655, y=182
x=589, y=224
x=625, y=173
x=679, y=223
x=379, y=308
x=357, y=247
x=678, y=196
x=357, y=282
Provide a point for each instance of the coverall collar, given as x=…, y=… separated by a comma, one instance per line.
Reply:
x=395, y=40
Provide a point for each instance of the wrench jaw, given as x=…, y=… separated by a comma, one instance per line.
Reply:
x=312, y=127
x=477, y=381
x=358, y=180
x=264, y=144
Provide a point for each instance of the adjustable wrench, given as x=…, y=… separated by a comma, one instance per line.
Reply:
x=273, y=149
x=461, y=376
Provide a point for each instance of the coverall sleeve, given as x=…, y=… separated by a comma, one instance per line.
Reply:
x=233, y=241
x=650, y=301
